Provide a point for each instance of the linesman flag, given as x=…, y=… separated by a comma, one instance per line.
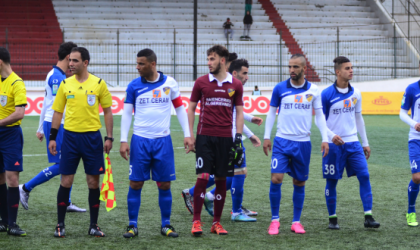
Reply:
x=107, y=189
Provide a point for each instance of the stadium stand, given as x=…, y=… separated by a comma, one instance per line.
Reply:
x=313, y=25
x=29, y=29
x=90, y=22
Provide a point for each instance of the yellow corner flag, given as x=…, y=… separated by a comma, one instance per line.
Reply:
x=107, y=189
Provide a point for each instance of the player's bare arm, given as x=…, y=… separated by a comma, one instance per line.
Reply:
x=239, y=119
x=109, y=124
x=257, y=120
x=14, y=117
x=55, y=125
x=337, y=140
x=40, y=136
x=191, y=118
x=366, y=150
x=255, y=141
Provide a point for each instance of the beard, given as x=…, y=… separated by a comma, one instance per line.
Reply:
x=216, y=70
x=297, y=76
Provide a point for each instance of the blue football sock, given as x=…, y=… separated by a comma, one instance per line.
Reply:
x=165, y=204
x=331, y=195
x=275, y=197
x=237, y=192
x=298, y=199
x=209, y=184
x=43, y=176
x=365, y=192
x=133, y=204
x=413, y=191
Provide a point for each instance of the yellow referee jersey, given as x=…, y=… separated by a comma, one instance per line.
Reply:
x=81, y=101
x=12, y=94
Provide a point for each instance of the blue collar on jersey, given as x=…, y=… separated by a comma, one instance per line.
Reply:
x=59, y=69
x=161, y=76
x=349, y=87
x=305, y=86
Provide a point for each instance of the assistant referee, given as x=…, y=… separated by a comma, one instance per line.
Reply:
x=81, y=95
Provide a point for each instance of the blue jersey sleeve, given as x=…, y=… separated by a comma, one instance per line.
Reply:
x=324, y=101
x=275, y=97
x=129, y=95
x=407, y=99
x=54, y=83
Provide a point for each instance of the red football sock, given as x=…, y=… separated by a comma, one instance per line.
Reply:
x=199, y=193
x=219, y=199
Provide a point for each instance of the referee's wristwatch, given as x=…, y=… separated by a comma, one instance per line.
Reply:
x=109, y=138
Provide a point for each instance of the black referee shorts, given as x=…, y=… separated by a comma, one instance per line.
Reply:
x=212, y=155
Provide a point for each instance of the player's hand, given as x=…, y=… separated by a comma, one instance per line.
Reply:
x=257, y=120
x=255, y=141
x=125, y=150
x=366, y=150
x=40, y=136
x=52, y=146
x=267, y=146
x=188, y=145
x=337, y=140
x=325, y=148
x=237, y=145
x=108, y=146
x=417, y=127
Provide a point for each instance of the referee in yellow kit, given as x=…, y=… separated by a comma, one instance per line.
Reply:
x=12, y=110
x=81, y=95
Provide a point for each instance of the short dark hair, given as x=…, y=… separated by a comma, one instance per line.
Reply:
x=149, y=54
x=219, y=50
x=237, y=65
x=84, y=53
x=65, y=50
x=232, y=56
x=303, y=58
x=338, y=61
x=4, y=55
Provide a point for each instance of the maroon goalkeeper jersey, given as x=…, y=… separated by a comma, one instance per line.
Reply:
x=217, y=101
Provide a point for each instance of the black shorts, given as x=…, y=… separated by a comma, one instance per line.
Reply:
x=212, y=155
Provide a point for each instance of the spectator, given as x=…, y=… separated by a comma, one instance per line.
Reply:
x=247, y=24
x=228, y=28
x=248, y=6
x=256, y=91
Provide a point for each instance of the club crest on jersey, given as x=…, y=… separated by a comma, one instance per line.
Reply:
x=347, y=103
x=91, y=99
x=166, y=90
x=156, y=93
x=354, y=100
x=231, y=92
x=309, y=97
x=298, y=98
x=3, y=100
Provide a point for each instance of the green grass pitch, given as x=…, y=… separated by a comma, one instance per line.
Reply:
x=389, y=171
